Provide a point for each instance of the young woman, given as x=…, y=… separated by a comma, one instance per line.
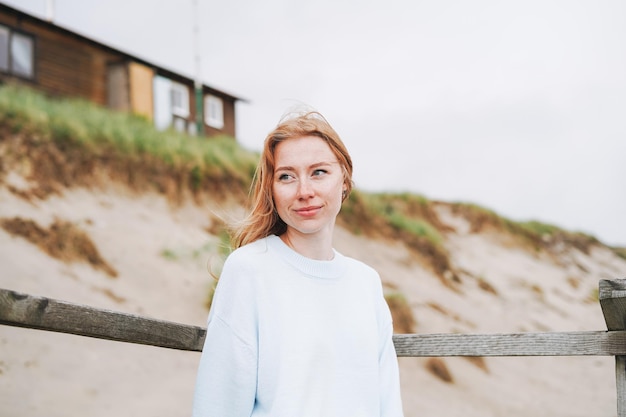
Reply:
x=295, y=328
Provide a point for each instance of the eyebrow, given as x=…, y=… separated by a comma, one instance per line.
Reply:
x=312, y=166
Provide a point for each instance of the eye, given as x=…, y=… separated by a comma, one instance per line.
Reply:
x=284, y=177
x=319, y=172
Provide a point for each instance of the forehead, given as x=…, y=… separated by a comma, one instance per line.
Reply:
x=303, y=151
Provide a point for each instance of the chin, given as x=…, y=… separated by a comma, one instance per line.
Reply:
x=304, y=230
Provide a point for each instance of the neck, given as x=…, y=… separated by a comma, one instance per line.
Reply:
x=312, y=246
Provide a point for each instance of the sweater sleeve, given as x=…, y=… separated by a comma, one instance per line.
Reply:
x=390, y=398
x=389, y=374
x=226, y=381
x=227, y=373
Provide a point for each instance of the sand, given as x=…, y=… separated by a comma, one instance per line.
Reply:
x=161, y=254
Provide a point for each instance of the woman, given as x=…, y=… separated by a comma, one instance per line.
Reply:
x=295, y=328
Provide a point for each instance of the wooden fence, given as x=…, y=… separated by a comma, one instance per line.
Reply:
x=23, y=310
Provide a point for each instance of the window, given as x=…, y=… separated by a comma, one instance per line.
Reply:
x=171, y=105
x=180, y=100
x=214, y=111
x=22, y=55
x=179, y=124
x=4, y=49
x=17, y=53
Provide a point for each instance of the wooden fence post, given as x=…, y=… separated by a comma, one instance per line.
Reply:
x=612, y=296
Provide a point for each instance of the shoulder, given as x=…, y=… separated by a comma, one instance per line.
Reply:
x=362, y=272
x=236, y=289
x=354, y=265
x=245, y=264
x=368, y=280
x=247, y=254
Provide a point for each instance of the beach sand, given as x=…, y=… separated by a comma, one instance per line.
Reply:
x=161, y=255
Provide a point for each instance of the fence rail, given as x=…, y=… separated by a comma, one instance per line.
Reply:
x=34, y=312
x=23, y=310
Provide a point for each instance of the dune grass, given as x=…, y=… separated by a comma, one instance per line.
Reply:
x=405, y=212
x=538, y=234
x=76, y=122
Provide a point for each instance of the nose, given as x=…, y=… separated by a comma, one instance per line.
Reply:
x=305, y=189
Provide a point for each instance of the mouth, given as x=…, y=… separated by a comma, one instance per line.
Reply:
x=308, y=211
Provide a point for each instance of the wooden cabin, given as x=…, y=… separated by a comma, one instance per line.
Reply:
x=59, y=62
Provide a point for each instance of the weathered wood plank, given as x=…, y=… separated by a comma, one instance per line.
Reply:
x=24, y=310
x=612, y=295
x=620, y=384
x=45, y=314
x=591, y=343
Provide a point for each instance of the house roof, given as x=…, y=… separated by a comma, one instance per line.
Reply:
x=159, y=69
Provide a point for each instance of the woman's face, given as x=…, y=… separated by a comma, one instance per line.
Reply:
x=307, y=186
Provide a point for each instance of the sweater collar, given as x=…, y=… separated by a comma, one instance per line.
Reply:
x=332, y=269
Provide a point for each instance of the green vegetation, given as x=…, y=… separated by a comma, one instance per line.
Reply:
x=406, y=212
x=538, y=228
x=392, y=214
x=100, y=133
x=537, y=234
x=621, y=252
x=187, y=254
x=408, y=218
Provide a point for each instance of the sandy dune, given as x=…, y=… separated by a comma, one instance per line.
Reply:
x=161, y=254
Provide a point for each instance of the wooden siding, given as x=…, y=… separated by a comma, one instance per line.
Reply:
x=68, y=64
x=118, y=97
x=64, y=65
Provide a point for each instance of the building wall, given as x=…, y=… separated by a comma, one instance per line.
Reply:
x=229, y=119
x=67, y=64
x=64, y=65
x=118, y=87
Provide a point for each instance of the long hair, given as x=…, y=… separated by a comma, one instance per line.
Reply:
x=263, y=219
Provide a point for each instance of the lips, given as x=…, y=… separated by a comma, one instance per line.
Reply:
x=308, y=211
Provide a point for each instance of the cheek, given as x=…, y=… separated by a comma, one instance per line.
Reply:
x=335, y=191
x=275, y=196
x=280, y=195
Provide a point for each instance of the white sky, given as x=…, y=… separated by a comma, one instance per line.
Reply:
x=518, y=106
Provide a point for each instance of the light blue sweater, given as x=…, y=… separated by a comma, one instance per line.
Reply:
x=288, y=336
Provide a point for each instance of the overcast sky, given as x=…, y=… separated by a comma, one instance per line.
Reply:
x=519, y=106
